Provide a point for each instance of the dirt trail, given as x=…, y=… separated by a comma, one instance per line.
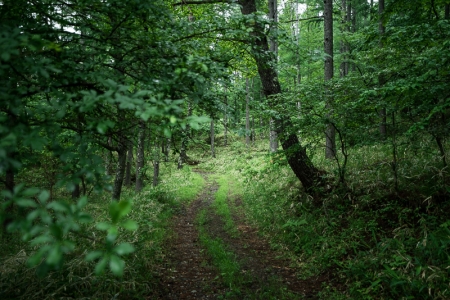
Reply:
x=189, y=273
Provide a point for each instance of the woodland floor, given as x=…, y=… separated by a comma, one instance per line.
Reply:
x=189, y=272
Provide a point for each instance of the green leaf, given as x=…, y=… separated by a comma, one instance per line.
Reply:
x=82, y=202
x=43, y=196
x=116, y=264
x=26, y=203
x=58, y=206
x=55, y=256
x=101, y=265
x=124, y=248
x=41, y=240
x=33, y=215
x=28, y=192
x=118, y=210
x=130, y=225
x=103, y=226
x=84, y=218
x=167, y=132
x=93, y=255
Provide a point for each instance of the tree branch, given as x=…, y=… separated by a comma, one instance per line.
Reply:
x=202, y=2
x=305, y=19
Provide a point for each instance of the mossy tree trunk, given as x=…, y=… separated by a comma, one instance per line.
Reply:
x=297, y=158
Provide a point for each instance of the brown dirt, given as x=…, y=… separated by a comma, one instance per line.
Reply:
x=189, y=274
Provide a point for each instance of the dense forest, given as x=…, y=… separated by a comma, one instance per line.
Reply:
x=321, y=125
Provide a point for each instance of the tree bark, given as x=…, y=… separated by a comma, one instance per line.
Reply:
x=344, y=46
x=140, y=157
x=273, y=17
x=156, y=173
x=247, y=113
x=156, y=165
x=297, y=158
x=108, y=167
x=128, y=166
x=213, y=151
x=225, y=122
x=186, y=134
x=120, y=171
x=381, y=80
x=76, y=193
x=330, y=142
x=9, y=180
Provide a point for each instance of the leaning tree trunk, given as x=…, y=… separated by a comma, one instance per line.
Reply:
x=120, y=171
x=297, y=158
x=140, y=157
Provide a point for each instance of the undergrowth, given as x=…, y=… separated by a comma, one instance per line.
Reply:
x=152, y=210
x=373, y=237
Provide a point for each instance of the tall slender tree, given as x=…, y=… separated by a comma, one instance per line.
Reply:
x=381, y=80
x=273, y=17
x=330, y=143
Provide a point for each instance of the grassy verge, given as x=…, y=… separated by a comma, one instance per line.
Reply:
x=152, y=210
x=375, y=241
x=385, y=235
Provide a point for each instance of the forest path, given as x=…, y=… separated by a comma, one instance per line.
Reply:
x=215, y=256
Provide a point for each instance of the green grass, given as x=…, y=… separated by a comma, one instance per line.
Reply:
x=381, y=243
x=222, y=258
x=221, y=205
x=152, y=210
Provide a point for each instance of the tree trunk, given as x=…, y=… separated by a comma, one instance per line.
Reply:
x=140, y=157
x=273, y=138
x=330, y=143
x=183, y=156
x=9, y=182
x=213, y=151
x=120, y=171
x=381, y=80
x=253, y=131
x=165, y=148
x=156, y=165
x=273, y=16
x=76, y=193
x=299, y=162
x=156, y=173
x=225, y=123
x=128, y=166
x=108, y=167
x=344, y=46
x=247, y=114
